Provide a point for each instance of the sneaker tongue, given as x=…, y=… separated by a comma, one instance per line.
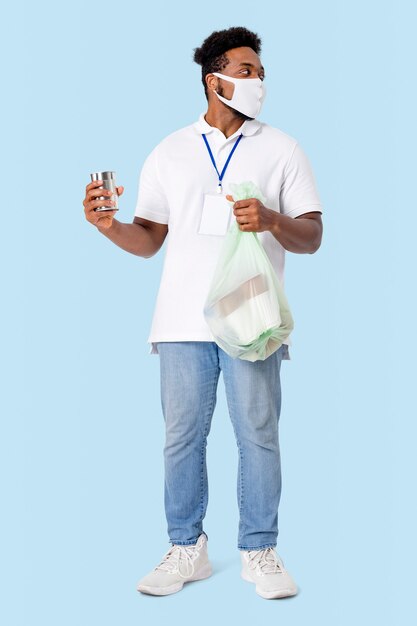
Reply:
x=267, y=562
x=177, y=559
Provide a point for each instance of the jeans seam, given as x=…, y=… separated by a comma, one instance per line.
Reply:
x=203, y=446
x=241, y=482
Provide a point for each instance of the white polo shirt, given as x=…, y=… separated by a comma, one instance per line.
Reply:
x=172, y=182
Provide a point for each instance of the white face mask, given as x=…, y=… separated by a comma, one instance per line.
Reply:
x=248, y=95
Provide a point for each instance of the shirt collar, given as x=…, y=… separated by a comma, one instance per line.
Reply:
x=249, y=127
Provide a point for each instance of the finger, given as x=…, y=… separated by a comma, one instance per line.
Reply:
x=242, y=219
x=99, y=203
x=241, y=204
x=230, y=198
x=120, y=190
x=241, y=211
x=96, y=193
x=105, y=216
x=93, y=184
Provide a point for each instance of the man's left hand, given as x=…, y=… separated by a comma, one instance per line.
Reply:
x=252, y=215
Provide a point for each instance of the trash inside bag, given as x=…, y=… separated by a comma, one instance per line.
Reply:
x=246, y=308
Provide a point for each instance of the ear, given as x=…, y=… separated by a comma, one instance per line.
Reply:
x=212, y=82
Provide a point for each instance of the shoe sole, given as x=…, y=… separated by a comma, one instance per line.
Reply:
x=202, y=573
x=269, y=595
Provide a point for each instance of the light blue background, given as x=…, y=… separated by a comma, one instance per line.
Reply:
x=96, y=85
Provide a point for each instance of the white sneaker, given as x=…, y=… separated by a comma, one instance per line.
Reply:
x=179, y=565
x=266, y=569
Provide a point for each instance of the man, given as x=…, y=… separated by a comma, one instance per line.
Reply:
x=182, y=193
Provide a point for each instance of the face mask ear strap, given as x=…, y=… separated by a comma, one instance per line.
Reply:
x=215, y=90
x=231, y=79
x=228, y=78
x=222, y=98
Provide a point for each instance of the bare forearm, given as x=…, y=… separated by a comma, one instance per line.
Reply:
x=300, y=235
x=133, y=238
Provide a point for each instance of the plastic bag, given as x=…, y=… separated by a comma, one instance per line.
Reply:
x=246, y=308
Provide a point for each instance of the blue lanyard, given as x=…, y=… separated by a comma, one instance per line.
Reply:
x=219, y=186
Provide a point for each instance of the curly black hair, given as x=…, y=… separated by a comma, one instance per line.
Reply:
x=211, y=55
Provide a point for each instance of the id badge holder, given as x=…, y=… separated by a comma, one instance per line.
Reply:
x=215, y=216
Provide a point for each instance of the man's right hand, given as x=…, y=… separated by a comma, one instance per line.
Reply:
x=102, y=219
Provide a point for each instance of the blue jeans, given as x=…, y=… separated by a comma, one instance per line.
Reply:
x=189, y=375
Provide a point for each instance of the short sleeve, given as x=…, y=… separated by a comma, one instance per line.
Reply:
x=298, y=191
x=151, y=201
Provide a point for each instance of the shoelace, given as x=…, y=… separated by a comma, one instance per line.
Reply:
x=171, y=561
x=267, y=560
